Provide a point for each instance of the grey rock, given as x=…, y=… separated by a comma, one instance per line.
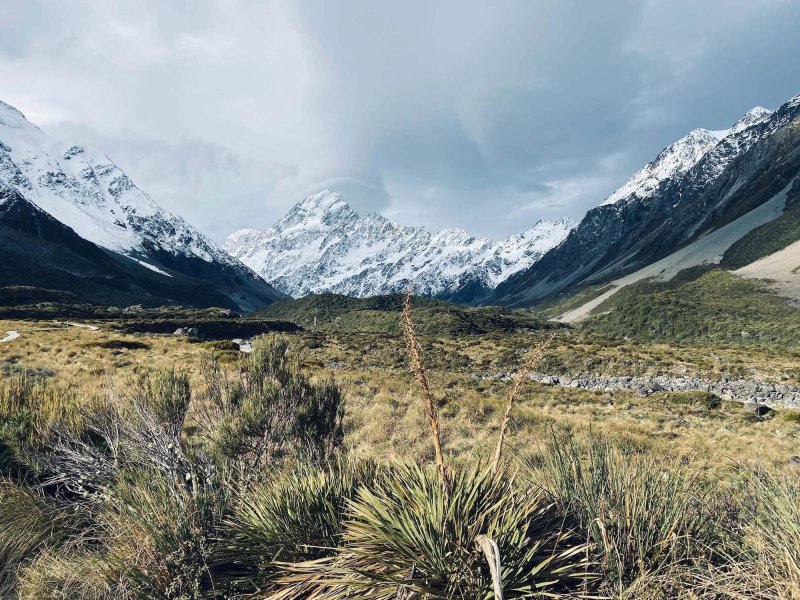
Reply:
x=187, y=332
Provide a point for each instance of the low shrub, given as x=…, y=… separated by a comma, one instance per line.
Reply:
x=118, y=344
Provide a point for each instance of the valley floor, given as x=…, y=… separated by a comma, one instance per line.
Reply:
x=664, y=430
x=641, y=393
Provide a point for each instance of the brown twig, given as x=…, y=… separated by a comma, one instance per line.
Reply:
x=418, y=367
x=533, y=358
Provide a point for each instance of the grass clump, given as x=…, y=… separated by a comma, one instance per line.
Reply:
x=119, y=344
x=763, y=554
x=705, y=400
x=644, y=520
x=61, y=574
x=150, y=498
x=29, y=524
x=406, y=536
x=792, y=416
x=160, y=533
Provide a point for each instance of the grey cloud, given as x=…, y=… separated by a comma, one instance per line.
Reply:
x=486, y=116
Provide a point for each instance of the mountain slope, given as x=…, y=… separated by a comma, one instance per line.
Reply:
x=323, y=245
x=708, y=306
x=750, y=164
x=707, y=250
x=37, y=250
x=86, y=191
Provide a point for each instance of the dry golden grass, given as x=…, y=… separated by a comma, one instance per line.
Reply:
x=385, y=418
x=74, y=355
x=389, y=417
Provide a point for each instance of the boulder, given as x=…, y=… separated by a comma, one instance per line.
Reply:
x=187, y=332
x=757, y=409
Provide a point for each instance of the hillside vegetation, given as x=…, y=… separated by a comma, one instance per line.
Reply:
x=708, y=306
x=765, y=240
x=382, y=314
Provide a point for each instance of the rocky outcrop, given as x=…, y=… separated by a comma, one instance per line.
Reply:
x=751, y=391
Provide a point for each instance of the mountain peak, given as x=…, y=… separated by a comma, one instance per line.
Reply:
x=675, y=159
x=752, y=117
x=11, y=116
x=759, y=111
x=322, y=202
x=323, y=209
x=680, y=156
x=322, y=245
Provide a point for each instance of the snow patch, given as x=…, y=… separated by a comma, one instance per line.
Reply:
x=152, y=267
x=10, y=336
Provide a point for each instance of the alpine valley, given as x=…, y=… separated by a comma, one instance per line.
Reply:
x=72, y=220
x=708, y=199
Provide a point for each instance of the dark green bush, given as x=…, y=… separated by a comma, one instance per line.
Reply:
x=273, y=407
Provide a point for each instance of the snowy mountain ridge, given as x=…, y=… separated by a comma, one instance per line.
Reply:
x=693, y=187
x=680, y=156
x=323, y=245
x=85, y=190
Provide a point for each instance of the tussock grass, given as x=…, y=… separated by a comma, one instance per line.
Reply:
x=643, y=518
x=35, y=399
x=765, y=562
x=406, y=537
x=69, y=575
x=29, y=525
x=159, y=534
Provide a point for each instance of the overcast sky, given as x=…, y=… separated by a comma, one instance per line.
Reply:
x=474, y=114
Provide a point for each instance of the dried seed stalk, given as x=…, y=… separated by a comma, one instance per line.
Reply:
x=418, y=367
x=534, y=357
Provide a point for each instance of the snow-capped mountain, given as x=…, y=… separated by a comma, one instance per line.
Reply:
x=677, y=158
x=694, y=186
x=323, y=245
x=84, y=190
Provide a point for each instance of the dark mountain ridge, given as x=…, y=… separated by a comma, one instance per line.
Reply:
x=741, y=172
x=37, y=250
